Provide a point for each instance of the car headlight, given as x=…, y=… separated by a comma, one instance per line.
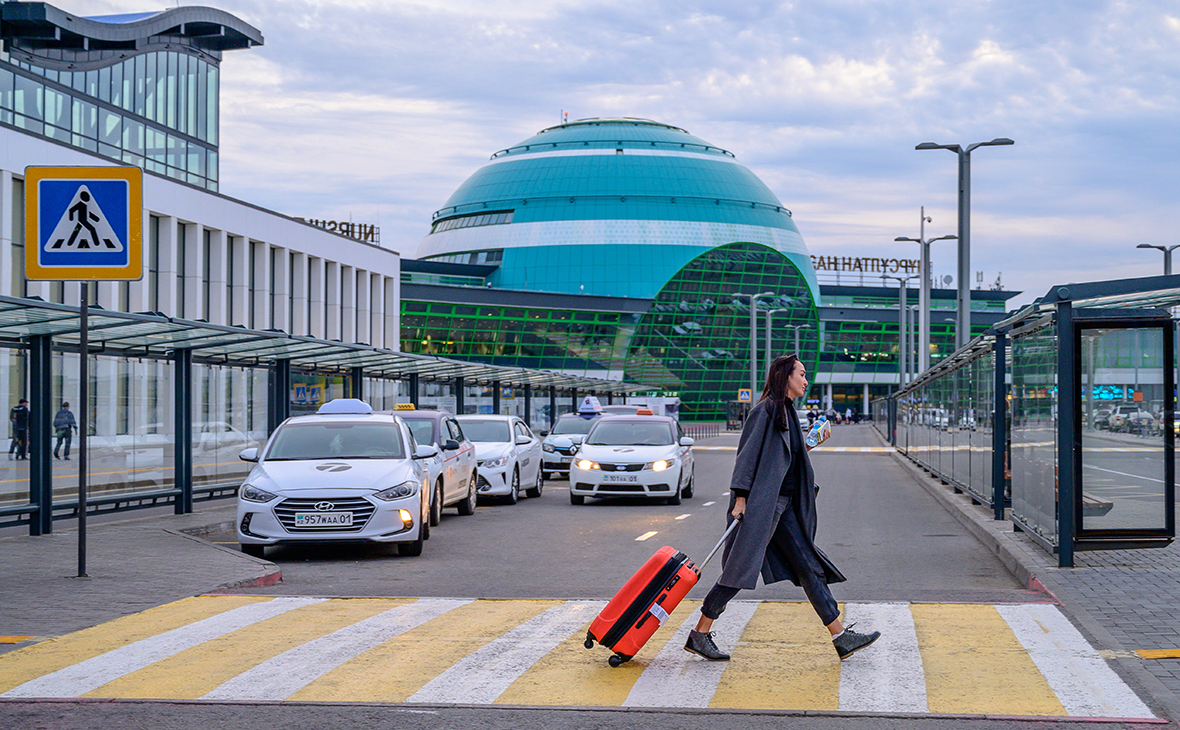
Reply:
x=660, y=465
x=405, y=489
x=587, y=465
x=497, y=463
x=548, y=448
x=254, y=494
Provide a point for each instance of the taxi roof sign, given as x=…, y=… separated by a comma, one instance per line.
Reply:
x=84, y=223
x=351, y=406
x=590, y=406
x=404, y=407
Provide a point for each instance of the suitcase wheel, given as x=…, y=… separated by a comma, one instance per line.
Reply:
x=617, y=660
x=589, y=640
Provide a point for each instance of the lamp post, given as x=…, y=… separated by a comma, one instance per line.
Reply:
x=902, y=321
x=754, y=337
x=924, y=290
x=769, y=317
x=1167, y=255
x=963, y=328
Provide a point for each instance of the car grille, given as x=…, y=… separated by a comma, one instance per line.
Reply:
x=361, y=509
x=482, y=484
x=607, y=468
x=565, y=450
x=621, y=488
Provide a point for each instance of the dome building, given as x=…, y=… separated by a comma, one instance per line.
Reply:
x=639, y=235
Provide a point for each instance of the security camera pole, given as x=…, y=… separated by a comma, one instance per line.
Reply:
x=963, y=328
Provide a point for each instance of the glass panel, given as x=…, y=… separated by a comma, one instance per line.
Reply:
x=104, y=83
x=162, y=98
x=182, y=92
x=133, y=136
x=27, y=99
x=220, y=427
x=172, y=98
x=57, y=115
x=1122, y=437
x=110, y=128
x=212, y=111
x=190, y=126
x=202, y=100
x=176, y=152
x=139, y=74
x=92, y=83
x=117, y=84
x=1034, y=431
x=150, y=86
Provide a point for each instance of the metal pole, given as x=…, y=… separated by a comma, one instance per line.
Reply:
x=1168, y=262
x=963, y=328
x=769, y=317
x=903, y=336
x=797, y=342
x=924, y=297
x=83, y=420
x=753, y=346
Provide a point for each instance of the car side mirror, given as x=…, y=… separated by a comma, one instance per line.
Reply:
x=522, y=440
x=451, y=445
x=425, y=452
x=543, y=433
x=249, y=454
x=686, y=441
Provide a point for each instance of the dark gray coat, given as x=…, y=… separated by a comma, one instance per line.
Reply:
x=763, y=458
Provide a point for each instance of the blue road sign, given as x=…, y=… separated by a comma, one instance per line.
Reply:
x=745, y=395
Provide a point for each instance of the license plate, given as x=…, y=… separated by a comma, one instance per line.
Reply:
x=316, y=519
x=628, y=478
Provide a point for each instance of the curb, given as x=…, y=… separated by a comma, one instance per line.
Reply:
x=1037, y=578
x=270, y=575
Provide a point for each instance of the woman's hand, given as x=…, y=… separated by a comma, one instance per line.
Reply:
x=739, y=507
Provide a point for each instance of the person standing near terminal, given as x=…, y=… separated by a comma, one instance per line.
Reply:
x=64, y=426
x=772, y=492
x=19, y=416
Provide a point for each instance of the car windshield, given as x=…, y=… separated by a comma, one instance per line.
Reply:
x=574, y=424
x=423, y=431
x=326, y=440
x=486, y=431
x=630, y=433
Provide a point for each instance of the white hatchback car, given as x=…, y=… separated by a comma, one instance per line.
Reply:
x=342, y=475
x=633, y=456
x=508, y=455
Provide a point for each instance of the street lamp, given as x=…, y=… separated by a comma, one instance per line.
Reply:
x=963, y=329
x=1167, y=255
x=924, y=291
x=754, y=338
x=796, y=327
x=903, y=319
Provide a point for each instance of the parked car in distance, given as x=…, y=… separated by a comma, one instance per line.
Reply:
x=453, y=472
x=633, y=456
x=561, y=444
x=344, y=474
x=1132, y=418
x=507, y=454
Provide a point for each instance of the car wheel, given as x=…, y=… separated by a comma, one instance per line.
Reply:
x=254, y=551
x=536, y=491
x=577, y=499
x=514, y=494
x=410, y=549
x=688, y=489
x=675, y=499
x=436, y=505
x=424, y=522
x=467, y=506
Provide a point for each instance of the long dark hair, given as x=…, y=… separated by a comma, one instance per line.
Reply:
x=775, y=389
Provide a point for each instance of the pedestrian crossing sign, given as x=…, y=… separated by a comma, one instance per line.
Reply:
x=83, y=223
x=745, y=395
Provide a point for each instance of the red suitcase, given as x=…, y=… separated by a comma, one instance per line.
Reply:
x=643, y=604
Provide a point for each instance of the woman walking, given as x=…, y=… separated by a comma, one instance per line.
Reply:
x=773, y=493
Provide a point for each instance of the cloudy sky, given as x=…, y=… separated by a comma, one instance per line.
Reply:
x=376, y=110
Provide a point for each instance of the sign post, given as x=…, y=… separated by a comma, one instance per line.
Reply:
x=83, y=224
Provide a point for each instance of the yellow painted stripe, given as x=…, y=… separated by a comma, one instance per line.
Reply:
x=784, y=660
x=196, y=671
x=975, y=665
x=1159, y=653
x=401, y=666
x=13, y=639
x=40, y=659
x=574, y=677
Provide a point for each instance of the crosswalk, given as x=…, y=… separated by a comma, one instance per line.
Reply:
x=1003, y=659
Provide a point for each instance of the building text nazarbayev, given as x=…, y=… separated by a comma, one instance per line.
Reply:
x=864, y=264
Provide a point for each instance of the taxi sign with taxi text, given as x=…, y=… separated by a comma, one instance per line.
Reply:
x=83, y=223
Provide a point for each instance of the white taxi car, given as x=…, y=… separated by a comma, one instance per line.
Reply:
x=508, y=455
x=561, y=444
x=343, y=475
x=633, y=456
x=453, y=471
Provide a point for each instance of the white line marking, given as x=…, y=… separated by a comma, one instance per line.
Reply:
x=1122, y=474
x=710, y=504
x=726, y=494
x=483, y=675
x=285, y=674
x=684, y=517
x=646, y=535
x=676, y=678
x=83, y=677
x=1081, y=679
x=887, y=676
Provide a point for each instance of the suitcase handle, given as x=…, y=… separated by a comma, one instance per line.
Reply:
x=732, y=526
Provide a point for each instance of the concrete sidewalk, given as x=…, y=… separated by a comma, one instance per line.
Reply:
x=134, y=563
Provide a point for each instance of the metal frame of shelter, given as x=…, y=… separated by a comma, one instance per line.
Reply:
x=40, y=328
x=1061, y=318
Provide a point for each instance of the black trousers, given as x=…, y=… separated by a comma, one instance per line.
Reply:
x=787, y=539
x=67, y=436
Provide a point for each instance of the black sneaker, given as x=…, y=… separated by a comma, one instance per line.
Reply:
x=702, y=645
x=851, y=641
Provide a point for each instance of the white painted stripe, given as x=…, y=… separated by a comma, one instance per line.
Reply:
x=726, y=494
x=676, y=678
x=89, y=675
x=483, y=675
x=285, y=674
x=710, y=504
x=888, y=676
x=646, y=536
x=1081, y=679
x=684, y=516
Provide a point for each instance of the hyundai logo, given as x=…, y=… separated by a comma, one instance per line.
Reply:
x=324, y=506
x=620, y=467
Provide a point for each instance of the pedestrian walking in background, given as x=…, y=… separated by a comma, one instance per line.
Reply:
x=19, y=417
x=772, y=492
x=64, y=426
